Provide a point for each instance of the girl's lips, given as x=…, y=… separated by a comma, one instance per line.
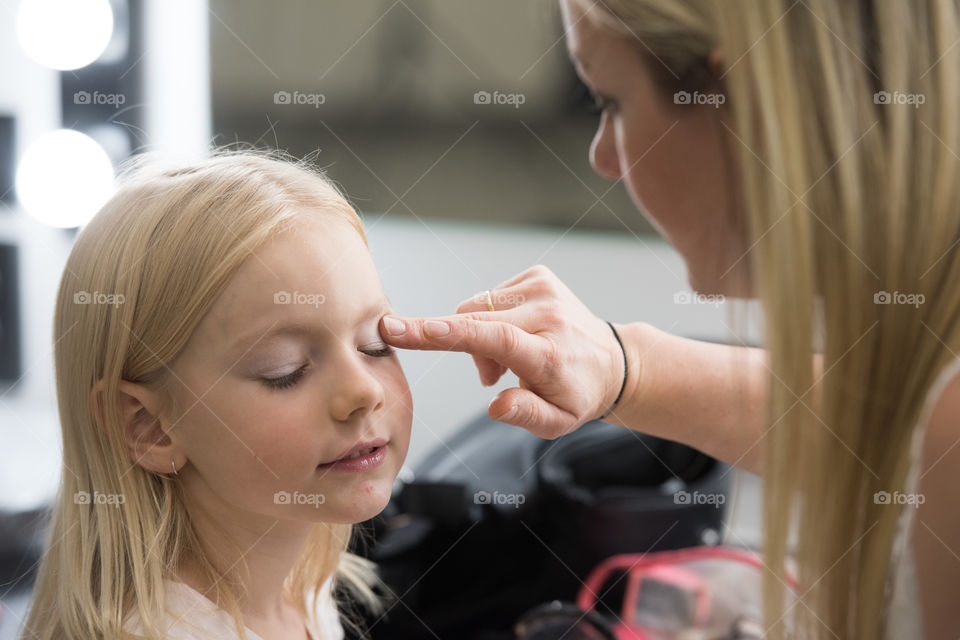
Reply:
x=361, y=458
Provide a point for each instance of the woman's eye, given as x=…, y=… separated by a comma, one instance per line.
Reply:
x=600, y=104
x=287, y=381
x=382, y=351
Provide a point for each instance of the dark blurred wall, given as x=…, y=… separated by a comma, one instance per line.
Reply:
x=434, y=108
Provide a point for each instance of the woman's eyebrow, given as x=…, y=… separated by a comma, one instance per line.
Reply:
x=299, y=327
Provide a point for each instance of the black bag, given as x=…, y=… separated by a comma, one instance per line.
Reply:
x=496, y=521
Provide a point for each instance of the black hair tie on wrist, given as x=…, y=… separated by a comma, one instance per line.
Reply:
x=624, y=385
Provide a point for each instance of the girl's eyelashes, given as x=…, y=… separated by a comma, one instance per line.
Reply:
x=291, y=379
x=287, y=381
x=381, y=351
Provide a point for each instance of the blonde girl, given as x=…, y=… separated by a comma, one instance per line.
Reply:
x=228, y=408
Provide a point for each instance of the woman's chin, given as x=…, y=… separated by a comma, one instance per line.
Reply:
x=729, y=283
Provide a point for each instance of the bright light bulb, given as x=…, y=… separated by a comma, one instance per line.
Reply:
x=64, y=34
x=64, y=178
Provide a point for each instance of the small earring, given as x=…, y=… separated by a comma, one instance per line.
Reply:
x=174, y=467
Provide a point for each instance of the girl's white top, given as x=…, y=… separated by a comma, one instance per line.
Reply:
x=190, y=615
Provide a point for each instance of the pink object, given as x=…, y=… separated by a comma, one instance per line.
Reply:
x=662, y=572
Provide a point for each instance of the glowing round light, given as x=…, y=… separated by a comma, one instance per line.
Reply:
x=64, y=34
x=64, y=178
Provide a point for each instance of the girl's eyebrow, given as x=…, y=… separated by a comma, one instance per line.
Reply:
x=384, y=306
x=299, y=328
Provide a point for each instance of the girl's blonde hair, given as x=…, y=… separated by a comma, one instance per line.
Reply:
x=845, y=130
x=164, y=246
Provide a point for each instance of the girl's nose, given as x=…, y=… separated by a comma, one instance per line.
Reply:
x=356, y=392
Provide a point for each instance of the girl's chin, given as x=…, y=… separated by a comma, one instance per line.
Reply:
x=359, y=507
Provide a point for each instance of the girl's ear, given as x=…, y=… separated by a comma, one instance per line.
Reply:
x=147, y=442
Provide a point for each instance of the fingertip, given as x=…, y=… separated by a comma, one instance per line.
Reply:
x=502, y=411
x=488, y=374
x=394, y=326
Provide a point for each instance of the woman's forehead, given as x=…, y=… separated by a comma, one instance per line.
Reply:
x=589, y=45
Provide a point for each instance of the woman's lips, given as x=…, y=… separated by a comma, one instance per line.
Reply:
x=363, y=457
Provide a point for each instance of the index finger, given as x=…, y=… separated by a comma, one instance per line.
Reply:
x=480, y=334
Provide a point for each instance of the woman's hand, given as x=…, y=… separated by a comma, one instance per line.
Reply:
x=568, y=361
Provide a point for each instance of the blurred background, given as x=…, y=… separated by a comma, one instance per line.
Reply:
x=458, y=130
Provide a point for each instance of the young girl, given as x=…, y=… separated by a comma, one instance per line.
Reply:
x=229, y=409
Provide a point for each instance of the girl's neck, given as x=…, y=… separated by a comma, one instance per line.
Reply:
x=267, y=548
x=267, y=616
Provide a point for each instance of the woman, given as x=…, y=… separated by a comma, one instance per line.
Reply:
x=805, y=154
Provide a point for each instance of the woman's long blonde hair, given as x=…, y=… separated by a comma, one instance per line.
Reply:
x=164, y=246
x=845, y=123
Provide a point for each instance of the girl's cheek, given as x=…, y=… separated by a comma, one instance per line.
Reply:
x=276, y=431
x=399, y=391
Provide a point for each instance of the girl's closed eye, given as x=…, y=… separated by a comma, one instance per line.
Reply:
x=287, y=381
x=291, y=379
x=379, y=351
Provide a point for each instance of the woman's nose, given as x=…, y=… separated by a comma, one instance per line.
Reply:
x=356, y=391
x=603, y=151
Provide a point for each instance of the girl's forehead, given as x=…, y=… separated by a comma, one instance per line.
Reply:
x=323, y=274
x=316, y=253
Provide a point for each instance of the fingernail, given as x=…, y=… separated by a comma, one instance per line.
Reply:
x=436, y=328
x=393, y=326
x=509, y=413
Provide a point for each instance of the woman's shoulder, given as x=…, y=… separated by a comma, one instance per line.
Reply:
x=940, y=421
x=945, y=396
x=935, y=519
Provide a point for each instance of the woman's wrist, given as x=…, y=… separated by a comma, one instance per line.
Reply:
x=620, y=374
x=661, y=393
x=631, y=337
x=708, y=396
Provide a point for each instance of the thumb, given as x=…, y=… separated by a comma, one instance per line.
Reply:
x=524, y=408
